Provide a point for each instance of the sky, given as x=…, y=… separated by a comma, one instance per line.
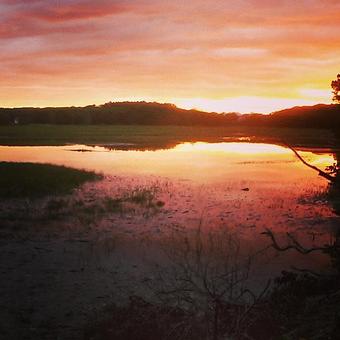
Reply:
x=222, y=56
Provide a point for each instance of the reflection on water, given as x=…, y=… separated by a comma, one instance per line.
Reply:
x=232, y=148
x=201, y=162
x=233, y=191
x=245, y=187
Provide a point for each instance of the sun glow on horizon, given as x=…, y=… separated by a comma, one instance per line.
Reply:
x=237, y=104
x=233, y=147
x=245, y=104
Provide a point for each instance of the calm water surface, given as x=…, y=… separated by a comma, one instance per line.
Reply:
x=198, y=162
x=245, y=187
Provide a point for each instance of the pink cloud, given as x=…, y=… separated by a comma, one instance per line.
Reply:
x=177, y=48
x=78, y=10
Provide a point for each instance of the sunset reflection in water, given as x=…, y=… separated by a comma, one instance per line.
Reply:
x=199, y=162
x=245, y=187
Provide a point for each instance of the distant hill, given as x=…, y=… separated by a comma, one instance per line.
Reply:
x=320, y=116
x=144, y=113
x=140, y=113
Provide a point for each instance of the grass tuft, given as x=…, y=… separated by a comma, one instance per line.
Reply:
x=31, y=180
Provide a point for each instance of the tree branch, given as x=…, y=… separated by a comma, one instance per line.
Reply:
x=296, y=245
x=321, y=172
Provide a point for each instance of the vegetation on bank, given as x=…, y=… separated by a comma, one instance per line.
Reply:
x=156, y=137
x=30, y=180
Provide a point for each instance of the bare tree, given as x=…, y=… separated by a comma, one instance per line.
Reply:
x=207, y=278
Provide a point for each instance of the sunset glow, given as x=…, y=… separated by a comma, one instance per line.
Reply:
x=213, y=161
x=234, y=148
x=222, y=56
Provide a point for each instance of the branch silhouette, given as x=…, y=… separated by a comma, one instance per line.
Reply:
x=296, y=245
x=321, y=172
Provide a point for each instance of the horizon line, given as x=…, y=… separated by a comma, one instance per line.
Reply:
x=164, y=103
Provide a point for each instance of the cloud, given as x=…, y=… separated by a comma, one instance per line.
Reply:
x=169, y=49
x=74, y=10
x=239, y=52
x=45, y=17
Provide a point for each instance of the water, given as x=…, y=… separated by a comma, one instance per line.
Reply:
x=198, y=162
x=243, y=187
x=60, y=264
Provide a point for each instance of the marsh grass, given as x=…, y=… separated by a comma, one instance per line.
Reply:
x=314, y=195
x=113, y=205
x=78, y=209
x=155, y=137
x=30, y=180
x=137, y=197
x=141, y=196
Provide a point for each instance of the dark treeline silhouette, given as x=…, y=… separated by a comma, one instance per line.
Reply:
x=140, y=113
x=317, y=116
x=143, y=113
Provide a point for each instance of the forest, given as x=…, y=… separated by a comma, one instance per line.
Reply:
x=144, y=113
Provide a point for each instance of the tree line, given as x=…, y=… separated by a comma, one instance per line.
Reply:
x=143, y=113
x=130, y=113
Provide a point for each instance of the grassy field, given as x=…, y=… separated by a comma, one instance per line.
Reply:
x=29, y=180
x=141, y=136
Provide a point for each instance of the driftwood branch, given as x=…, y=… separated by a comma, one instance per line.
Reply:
x=321, y=172
x=295, y=244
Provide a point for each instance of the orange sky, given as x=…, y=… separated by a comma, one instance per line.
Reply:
x=243, y=55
